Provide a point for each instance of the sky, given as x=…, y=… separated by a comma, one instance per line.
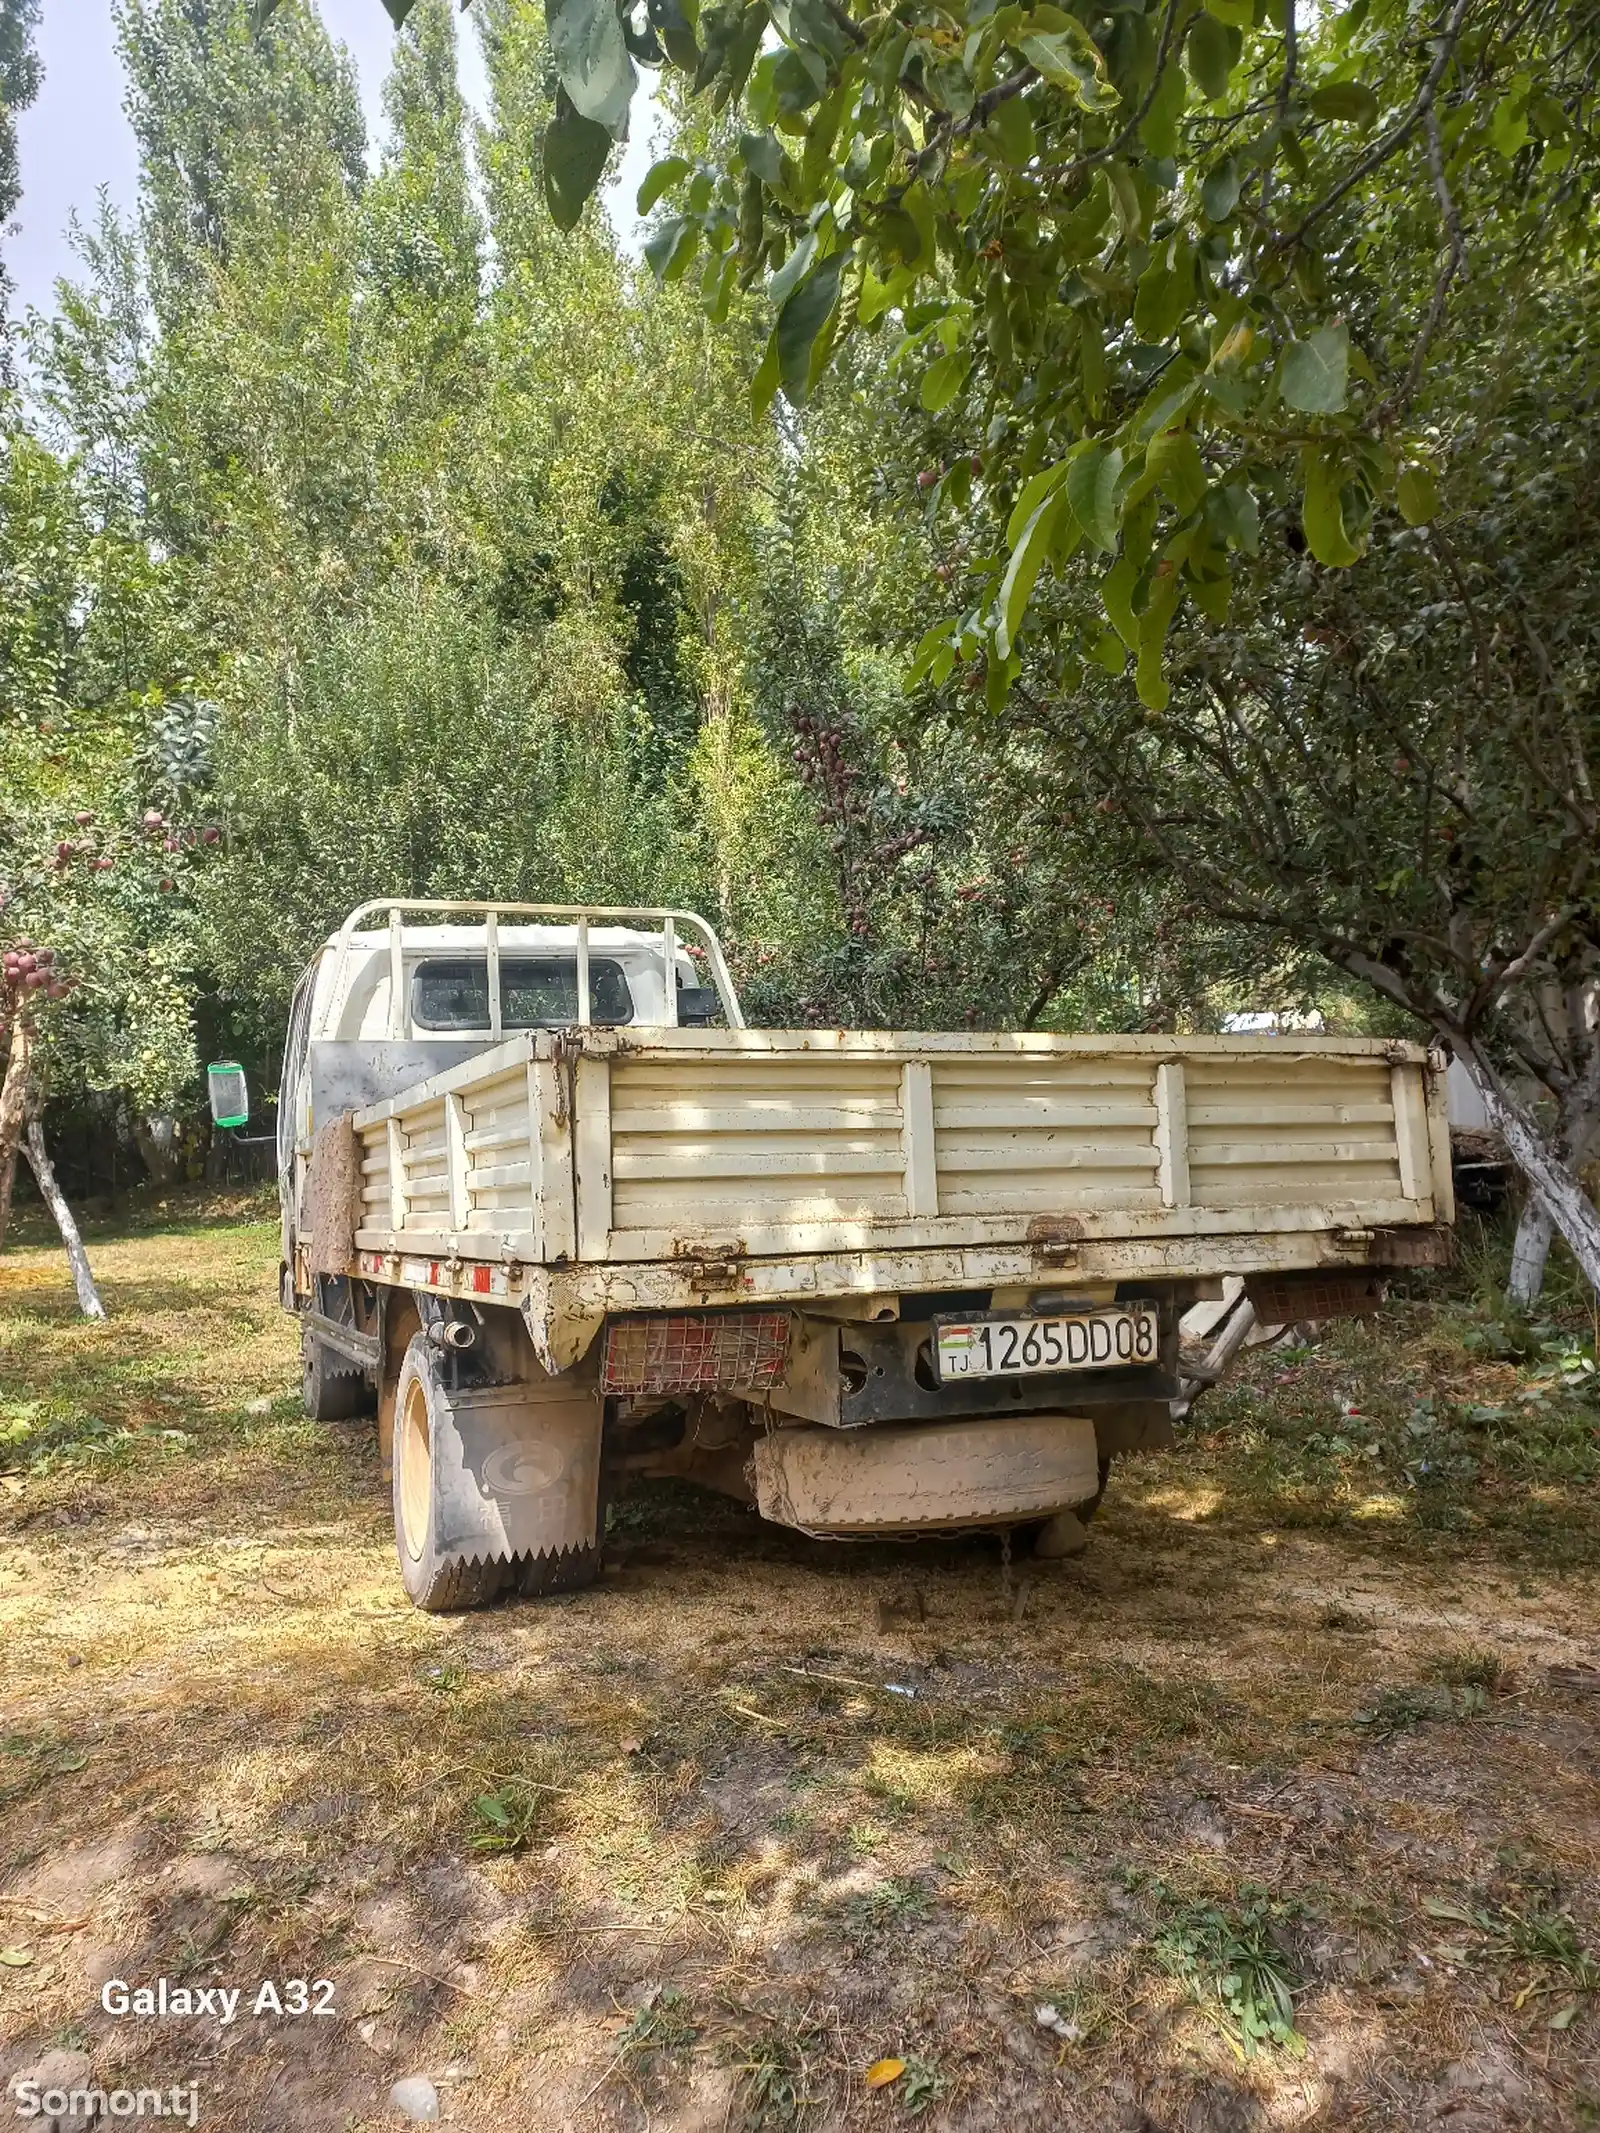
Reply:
x=76, y=138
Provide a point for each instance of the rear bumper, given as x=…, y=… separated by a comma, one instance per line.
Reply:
x=564, y=1307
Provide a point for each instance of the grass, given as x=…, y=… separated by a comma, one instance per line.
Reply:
x=1231, y=1960
x=674, y=1850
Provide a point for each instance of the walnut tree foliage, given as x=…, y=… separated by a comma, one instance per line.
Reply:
x=1128, y=250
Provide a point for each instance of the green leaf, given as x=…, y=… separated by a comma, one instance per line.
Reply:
x=673, y=25
x=1092, y=364
x=1027, y=557
x=789, y=274
x=1116, y=593
x=591, y=56
x=997, y=681
x=1508, y=128
x=877, y=297
x=717, y=285
x=1219, y=195
x=1163, y=294
x=575, y=152
x=741, y=57
x=670, y=248
x=1233, y=515
x=800, y=78
x=1314, y=375
x=1349, y=103
x=1165, y=404
x=801, y=321
x=1034, y=492
x=1067, y=56
x=1091, y=491
x=1237, y=14
x=659, y=178
x=899, y=237
x=929, y=655
x=1210, y=57
x=1417, y=493
x=1125, y=199
x=1159, y=128
x=1322, y=511
x=944, y=379
x=1174, y=459
x=1012, y=127
x=764, y=385
x=1154, y=623
x=917, y=202
x=765, y=157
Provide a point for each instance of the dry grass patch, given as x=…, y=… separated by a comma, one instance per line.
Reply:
x=700, y=1848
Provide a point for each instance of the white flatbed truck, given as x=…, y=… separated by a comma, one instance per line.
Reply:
x=553, y=1210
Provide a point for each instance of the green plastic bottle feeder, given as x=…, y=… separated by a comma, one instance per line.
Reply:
x=229, y=1093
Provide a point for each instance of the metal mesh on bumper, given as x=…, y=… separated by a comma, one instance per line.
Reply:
x=695, y=1352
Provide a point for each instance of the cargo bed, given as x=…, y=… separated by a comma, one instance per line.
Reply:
x=589, y=1171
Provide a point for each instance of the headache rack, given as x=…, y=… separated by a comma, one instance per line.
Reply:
x=392, y=910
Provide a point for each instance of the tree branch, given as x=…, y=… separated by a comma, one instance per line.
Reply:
x=1394, y=139
x=1455, y=263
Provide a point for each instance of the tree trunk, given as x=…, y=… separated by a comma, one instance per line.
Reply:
x=1551, y=1174
x=1529, y=1253
x=13, y=1118
x=89, y=1298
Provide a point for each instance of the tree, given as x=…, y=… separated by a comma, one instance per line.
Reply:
x=1120, y=243
x=19, y=85
x=1396, y=765
x=1163, y=276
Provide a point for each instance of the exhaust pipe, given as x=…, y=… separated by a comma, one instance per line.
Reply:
x=452, y=1333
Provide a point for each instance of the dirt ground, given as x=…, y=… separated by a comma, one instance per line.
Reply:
x=1278, y=1808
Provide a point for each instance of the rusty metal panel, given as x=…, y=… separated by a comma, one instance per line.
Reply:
x=1282, y=1299
x=695, y=1352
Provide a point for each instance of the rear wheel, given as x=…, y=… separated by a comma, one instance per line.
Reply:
x=1028, y=1537
x=334, y=1389
x=437, y=1584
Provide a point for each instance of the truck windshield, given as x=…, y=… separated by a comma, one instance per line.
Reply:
x=536, y=992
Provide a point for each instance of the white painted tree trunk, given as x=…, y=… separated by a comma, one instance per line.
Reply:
x=13, y=1114
x=1529, y=1253
x=1552, y=1176
x=89, y=1298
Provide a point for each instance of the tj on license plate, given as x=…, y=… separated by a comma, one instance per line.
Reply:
x=1010, y=1347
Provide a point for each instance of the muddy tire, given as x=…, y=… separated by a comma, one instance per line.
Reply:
x=1083, y=1512
x=1023, y=1538
x=437, y=1584
x=333, y=1389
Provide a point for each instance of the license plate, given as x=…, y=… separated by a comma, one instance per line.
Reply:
x=1022, y=1347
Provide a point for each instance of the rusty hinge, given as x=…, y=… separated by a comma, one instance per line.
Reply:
x=714, y=1265
x=1055, y=1239
x=566, y=1048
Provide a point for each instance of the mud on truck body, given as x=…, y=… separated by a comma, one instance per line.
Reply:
x=561, y=1218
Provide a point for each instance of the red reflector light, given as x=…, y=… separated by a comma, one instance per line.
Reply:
x=695, y=1352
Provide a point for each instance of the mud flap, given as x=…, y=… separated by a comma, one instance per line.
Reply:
x=515, y=1474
